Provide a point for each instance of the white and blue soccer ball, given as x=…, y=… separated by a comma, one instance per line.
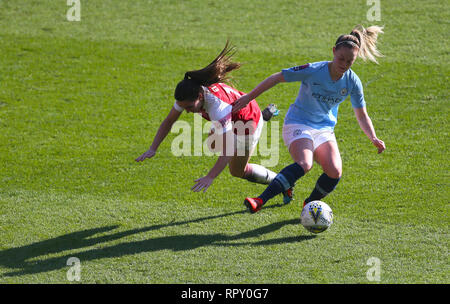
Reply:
x=316, y=216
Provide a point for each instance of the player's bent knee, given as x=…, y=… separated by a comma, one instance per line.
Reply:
x=334, y=173
x=305, y=165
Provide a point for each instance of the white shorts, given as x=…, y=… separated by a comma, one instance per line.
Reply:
x=293, y=132
x=243, y=143
x=248, y=143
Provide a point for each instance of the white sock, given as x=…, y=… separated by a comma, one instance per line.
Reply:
x=258, y=174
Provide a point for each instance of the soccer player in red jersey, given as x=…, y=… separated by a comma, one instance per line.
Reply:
x=235, y=134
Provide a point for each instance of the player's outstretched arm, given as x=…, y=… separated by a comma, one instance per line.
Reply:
x=163, y=130
x=366, y=125
x=223, y=160
x=265, y=85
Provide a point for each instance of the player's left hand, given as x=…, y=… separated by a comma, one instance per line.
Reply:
x=240, y=103
x=379, y=144
x=202, y=183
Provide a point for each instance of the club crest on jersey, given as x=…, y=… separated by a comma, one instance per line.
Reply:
x=315, y=212
x=214, y=89
x=300, y=67
x=344, y=91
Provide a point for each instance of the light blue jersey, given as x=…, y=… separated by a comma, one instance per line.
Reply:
x=319, y=97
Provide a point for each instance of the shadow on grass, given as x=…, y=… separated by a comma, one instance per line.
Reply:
x=25, y=259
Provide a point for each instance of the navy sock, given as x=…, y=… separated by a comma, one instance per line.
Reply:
x=324, y=186
x=283, y=181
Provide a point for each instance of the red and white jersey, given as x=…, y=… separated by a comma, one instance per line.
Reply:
x=219, y=100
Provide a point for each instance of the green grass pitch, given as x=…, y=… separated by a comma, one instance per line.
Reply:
x=80, y=100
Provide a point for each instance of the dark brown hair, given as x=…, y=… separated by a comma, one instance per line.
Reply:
x=189, y=88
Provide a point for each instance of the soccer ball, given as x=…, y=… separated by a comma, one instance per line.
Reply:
x=316, y=216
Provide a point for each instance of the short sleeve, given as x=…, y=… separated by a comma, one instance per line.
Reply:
x=298, y=73
x=177, y=107
x=219, y=113
x=357, y=94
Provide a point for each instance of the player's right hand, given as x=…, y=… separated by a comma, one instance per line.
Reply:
x=147, y=154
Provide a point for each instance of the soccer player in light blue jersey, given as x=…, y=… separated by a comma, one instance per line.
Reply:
x=310, y=120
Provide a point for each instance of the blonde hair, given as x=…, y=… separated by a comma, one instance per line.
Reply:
x=363, y=38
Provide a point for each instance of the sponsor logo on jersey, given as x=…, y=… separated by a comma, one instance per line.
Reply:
x=330, y=100
x=300, y=67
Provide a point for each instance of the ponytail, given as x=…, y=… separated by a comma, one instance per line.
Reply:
x=363, y=38
x=216, y=71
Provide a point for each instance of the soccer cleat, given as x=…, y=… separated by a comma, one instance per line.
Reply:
x=253, y=204
x=270, y=111
x=287, y=195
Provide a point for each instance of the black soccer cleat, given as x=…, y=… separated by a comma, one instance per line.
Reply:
x=270, y=111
